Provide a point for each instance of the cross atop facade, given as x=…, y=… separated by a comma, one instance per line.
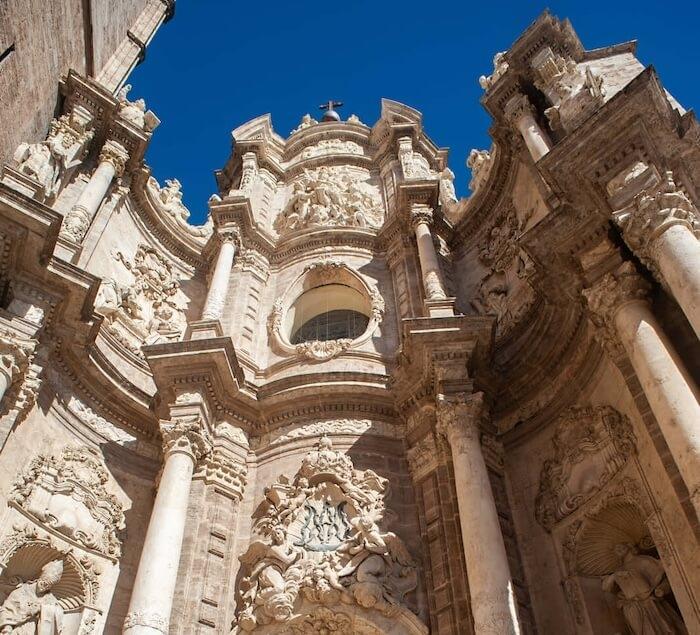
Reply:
x=331, y=114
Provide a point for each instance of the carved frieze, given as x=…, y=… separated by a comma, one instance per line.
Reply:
x=331, y=196
x=590, y=446
x=67, y=493
x=321, y=544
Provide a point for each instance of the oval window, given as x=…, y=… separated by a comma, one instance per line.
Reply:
x=328, y=312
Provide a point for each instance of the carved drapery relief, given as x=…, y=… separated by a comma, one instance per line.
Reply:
x=331, y=196
x=590, y=446
x=504, y=292
x=500, y=66
x=65, y=147
x=67, y=493
x=168, y=200
x=16, y=364
x=653, y=212
x=479, y=162
x=320, y=543
x=323, y=272
x=575, y=92
x=148, y=309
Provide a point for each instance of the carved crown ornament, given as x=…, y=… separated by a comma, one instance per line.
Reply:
x=320, y=546
x=319, y=273
x=66, y=492
x=589, y=447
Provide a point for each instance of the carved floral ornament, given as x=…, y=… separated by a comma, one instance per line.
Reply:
x=16, y=356
x=320, y=546
x=66, y=492
x=316, y=274
x=590, y=446
x=187, y=435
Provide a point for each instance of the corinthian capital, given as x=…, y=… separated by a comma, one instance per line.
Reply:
x=518, y=107
x=458, y=418
x=421, y=214
x=653, y=212
x=231, y=235
x=613, y=291
x=187, y=435
x=115, y=153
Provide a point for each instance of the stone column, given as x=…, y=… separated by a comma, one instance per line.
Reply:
x=520, y=113
x=621, y=311
x=493, y=599
x=113, y=158
x=421, y=220
x=218, y=286
x=662, y=229
x=185, y=442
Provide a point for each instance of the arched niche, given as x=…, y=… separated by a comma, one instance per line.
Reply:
x=324, y=287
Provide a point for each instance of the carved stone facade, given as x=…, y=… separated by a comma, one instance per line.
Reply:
x=352, y=401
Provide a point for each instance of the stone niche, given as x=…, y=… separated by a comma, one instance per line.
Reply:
x=320, y=560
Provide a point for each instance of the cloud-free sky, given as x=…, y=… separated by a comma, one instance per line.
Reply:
x=219, y=63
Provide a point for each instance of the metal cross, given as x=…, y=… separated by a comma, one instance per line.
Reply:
x=331, y=105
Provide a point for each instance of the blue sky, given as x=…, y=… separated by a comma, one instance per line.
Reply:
x=219, y=63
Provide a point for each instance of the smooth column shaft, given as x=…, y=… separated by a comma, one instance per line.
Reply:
x=671, y=393
x=534, y=137
x=490, y=585
x=216, y=295
x=430, y=268
x=154, y=587
x=678, y=258
x=83, y=211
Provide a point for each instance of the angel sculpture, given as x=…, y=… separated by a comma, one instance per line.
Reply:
x=271, y=588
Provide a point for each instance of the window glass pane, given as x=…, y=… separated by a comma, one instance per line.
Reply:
x=332, y=325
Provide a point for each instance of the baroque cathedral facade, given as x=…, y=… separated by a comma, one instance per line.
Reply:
x=351, y=402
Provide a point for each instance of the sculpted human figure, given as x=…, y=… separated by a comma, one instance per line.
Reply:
x=37, y=160
x=31, y=601
x=641, y=586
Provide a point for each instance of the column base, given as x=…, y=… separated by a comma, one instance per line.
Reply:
x=203, y=329
x=444, y=307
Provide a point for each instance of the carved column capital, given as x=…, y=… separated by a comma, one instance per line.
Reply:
x=116, y=154
x=613, y=291
x=230, y=235
x=517, y=107
x=421, y=214
x=458, y=418
x=652, y=213
x=187, y=435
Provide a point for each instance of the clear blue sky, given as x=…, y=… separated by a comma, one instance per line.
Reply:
x=219, y=63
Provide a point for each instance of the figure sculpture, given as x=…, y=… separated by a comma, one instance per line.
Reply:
x=641, y=586
x=31, y=607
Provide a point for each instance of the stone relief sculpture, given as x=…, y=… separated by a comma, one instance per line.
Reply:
x=575, y=92
x=321, y=543
x=19, y=377
x=67, y=493
x=641, y=587
x=334, y=196
x=479, y=162
x=65, y=147
x=31, y=607
x=331, y=146
x=135, y=111
x=147, y=310
x=168, y=199
x=590, y=446
x=413, y=164
x=500, y=66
